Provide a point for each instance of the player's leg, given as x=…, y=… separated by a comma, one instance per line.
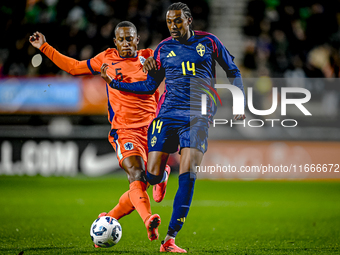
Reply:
x=140, y=198
x=133, y=147
x=193, y=142
x=156, y=165
x=125, y=206
x=134, y=168
x=137, y=197
x=190, y=158
x=162, y=140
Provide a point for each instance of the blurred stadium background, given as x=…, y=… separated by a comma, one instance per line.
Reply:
x=54, y=124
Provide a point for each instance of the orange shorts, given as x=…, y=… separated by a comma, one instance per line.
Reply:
x=130, y=142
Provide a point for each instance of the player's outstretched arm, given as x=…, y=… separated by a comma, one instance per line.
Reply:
x=70, y=65
x=149, y=86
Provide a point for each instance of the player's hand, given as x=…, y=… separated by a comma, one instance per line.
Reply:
x=103, y=73
x=239, y=117
x=150, y=64
x=37, y=39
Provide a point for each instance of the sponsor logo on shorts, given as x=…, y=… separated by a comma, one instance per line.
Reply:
x=128, y=146
x=153, y=141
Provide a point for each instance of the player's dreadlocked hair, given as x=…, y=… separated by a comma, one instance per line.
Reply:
x=125, y=24
x=180, y=6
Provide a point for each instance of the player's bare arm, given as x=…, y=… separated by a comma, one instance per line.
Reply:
x=37, y=39
x=103, y=73
x=150, y=64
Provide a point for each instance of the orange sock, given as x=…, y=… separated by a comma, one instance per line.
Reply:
x=140, y=199
x=124, y=207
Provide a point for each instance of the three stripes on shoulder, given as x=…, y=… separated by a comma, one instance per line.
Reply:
x=171, y=54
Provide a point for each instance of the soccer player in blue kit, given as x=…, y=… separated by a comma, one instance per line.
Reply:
x=187, y=61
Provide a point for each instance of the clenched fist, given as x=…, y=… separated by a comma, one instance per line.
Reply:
x=37, y=39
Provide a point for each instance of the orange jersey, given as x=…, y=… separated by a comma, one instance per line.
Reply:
x=125, y=110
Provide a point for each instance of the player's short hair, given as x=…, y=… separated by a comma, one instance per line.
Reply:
x=125, y=24
x=181, y=6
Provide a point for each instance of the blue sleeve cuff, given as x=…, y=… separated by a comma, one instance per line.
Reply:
x=90, y=67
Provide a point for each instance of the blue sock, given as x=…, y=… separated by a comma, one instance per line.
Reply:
x=153, y=179
x=182, y=201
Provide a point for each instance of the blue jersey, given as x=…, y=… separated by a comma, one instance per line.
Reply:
x=189, y=70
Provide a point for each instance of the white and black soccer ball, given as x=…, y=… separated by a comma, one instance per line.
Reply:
x=106, y=231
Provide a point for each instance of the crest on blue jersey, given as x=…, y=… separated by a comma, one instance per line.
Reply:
x=200, y=49
x=128, y=146
x=142, y=60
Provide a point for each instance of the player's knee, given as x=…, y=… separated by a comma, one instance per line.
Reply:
x=153, y=179
x=135, y=174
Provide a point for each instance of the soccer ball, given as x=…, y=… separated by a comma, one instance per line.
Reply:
x=106, y=231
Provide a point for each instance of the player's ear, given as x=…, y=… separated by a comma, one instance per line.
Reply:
x=138, y=38
x=190, y=21
x=115, y=41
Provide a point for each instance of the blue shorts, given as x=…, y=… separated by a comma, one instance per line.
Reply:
x=165, y=134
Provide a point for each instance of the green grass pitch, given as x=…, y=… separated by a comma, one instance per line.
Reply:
x=53, y=216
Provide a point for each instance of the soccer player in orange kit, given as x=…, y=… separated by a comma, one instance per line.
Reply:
x=128, y=113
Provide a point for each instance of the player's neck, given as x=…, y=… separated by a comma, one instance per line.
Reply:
x=134, y=56
x=188, y=35
x=185, y=37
